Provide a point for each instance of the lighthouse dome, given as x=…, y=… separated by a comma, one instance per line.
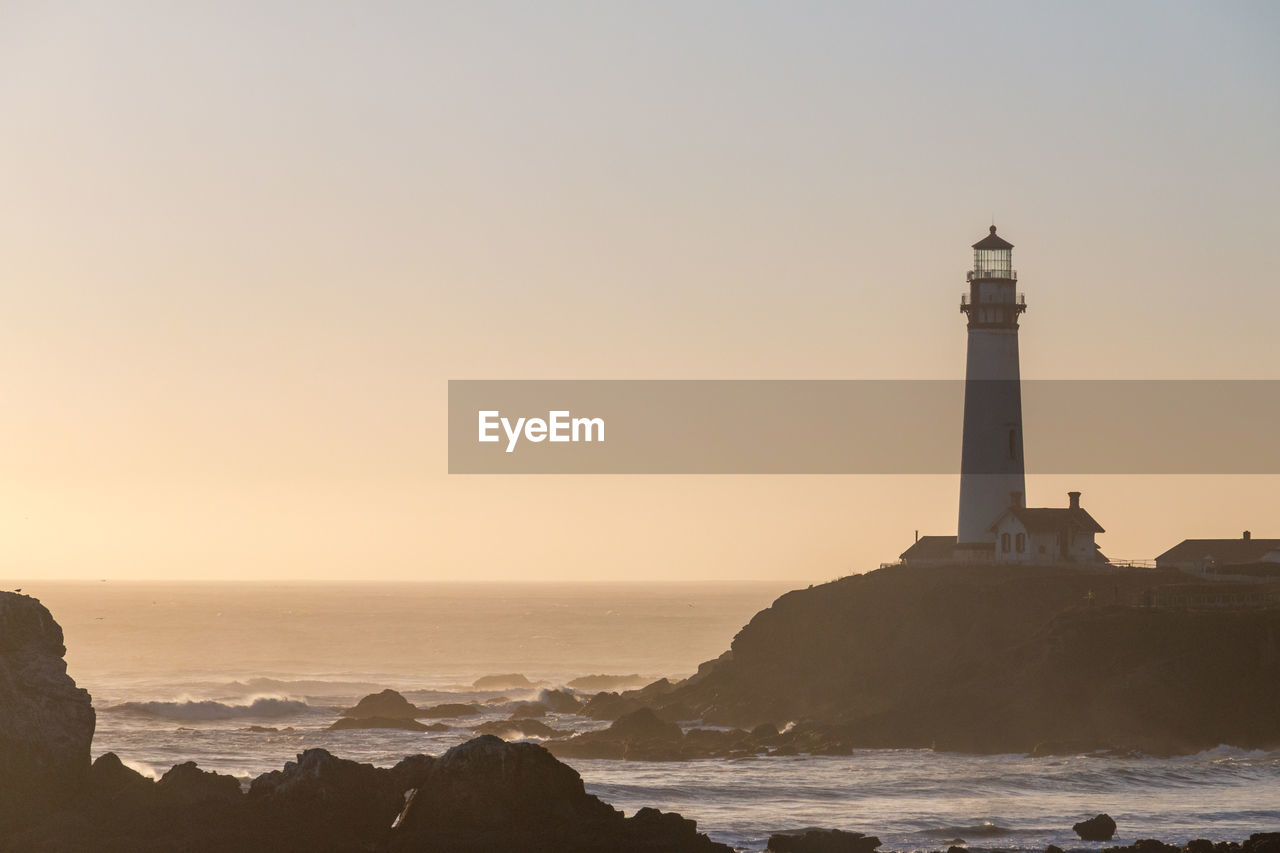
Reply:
x=993, y=241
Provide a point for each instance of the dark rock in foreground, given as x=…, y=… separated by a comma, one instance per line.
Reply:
x=187, y=785
x=46, y=722
x=824, y=841
x=1262, y=842
x=343, y=798
x=1099, y=828
x=110, y=782
x=488, y=795
x=388, y=704
x=1259, y=842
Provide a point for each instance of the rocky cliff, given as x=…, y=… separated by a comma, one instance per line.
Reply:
x=995, y=659
x=46, y=722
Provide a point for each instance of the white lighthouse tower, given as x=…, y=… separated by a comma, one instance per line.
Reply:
x=992, y=476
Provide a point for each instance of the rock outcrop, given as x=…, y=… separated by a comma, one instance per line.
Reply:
x=1011, y=657
x=46, y=722
x=611, y=706
x=607, y=682
x=330, y=798
x=388, y=704
x=643, y=735
x=111, y=783
x=640, y=734
x=1099, y=828
x=491, y=795
x=560, y=701
x=823, y=841
x=186, y=784
x=518, y=728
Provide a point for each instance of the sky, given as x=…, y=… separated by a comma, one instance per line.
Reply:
x=244, y=246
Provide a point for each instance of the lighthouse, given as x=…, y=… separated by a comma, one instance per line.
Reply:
x=992, y=474
x=995, y=523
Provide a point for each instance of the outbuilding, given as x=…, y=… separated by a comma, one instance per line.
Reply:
x=1243, y=556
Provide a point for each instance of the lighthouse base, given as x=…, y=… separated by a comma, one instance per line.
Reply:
x=975, y=552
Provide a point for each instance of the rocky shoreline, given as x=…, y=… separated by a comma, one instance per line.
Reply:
x=483, y=795
x=486, y=794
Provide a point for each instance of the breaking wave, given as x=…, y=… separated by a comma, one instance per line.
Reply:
x=210, y=710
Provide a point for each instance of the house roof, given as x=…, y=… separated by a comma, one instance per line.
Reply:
x=991, y=241
x=930, y=548
x=1051, y=519
x=1221, y=550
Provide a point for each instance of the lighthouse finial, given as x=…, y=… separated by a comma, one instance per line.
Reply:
x=993, y=228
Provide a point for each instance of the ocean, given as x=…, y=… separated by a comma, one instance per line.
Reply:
x=241, y=677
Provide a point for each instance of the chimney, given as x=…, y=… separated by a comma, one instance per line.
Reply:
x=1015, y=500
x=1247, y=535
x=917, y=535
x=1073, y=499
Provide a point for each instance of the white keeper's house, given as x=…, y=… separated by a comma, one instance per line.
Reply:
x=1047, y=534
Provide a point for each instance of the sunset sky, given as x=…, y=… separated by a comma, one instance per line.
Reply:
x=244, y=246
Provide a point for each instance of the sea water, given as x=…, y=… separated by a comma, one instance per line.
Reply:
x=241, y=677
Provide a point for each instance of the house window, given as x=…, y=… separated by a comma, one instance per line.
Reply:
x=1021, y=543
x=1004, y=542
